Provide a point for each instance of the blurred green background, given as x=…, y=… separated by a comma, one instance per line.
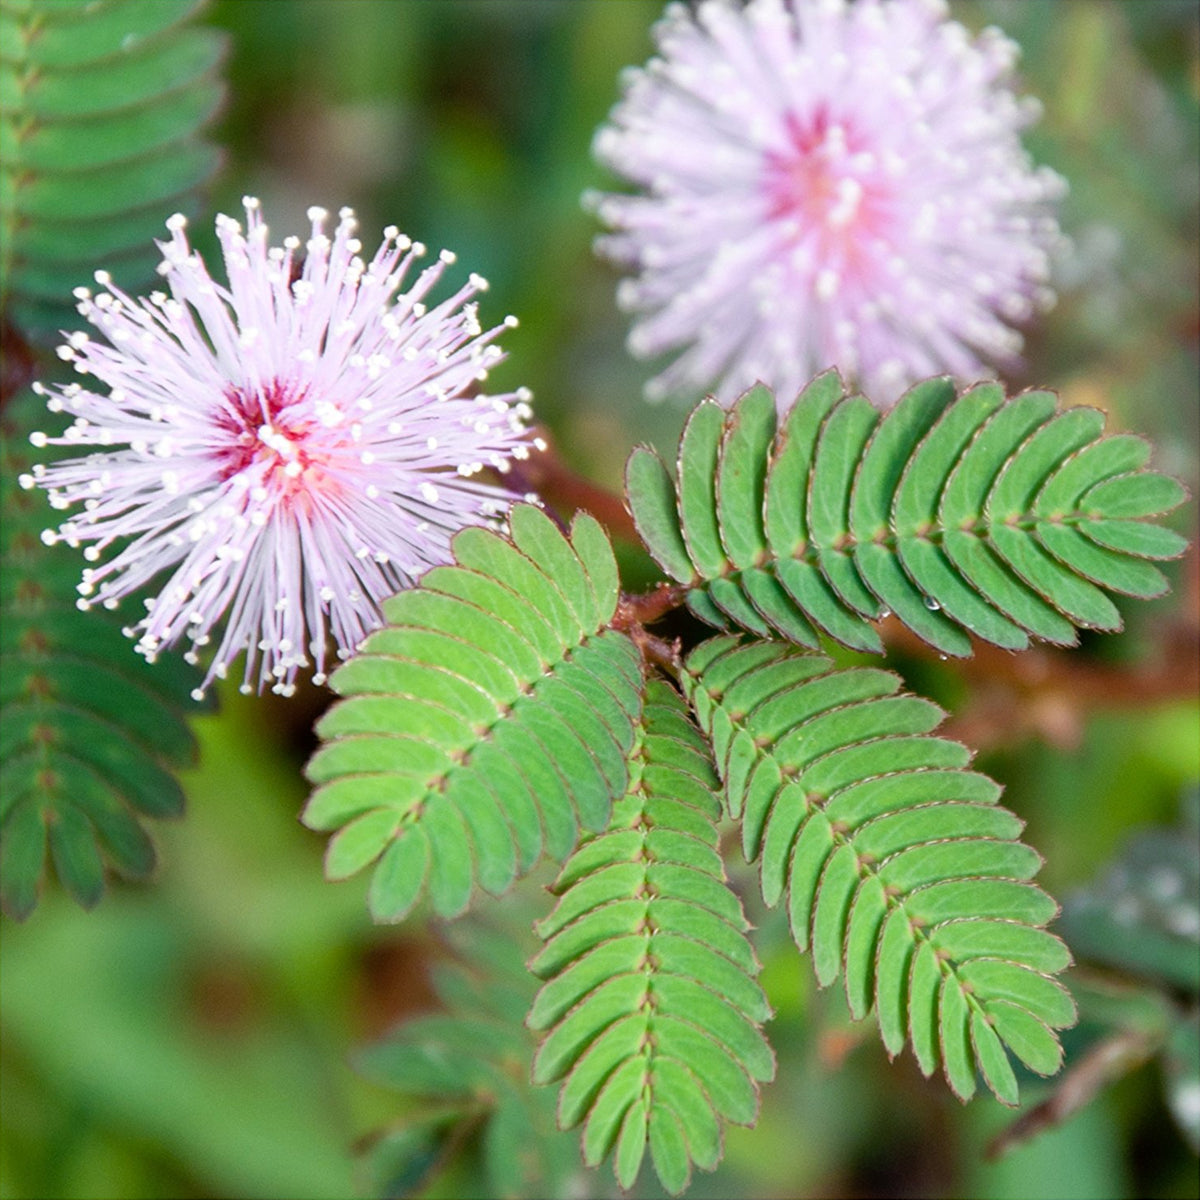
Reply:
x=191, y=1038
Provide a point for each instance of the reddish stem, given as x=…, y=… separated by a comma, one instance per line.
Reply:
x=649, y=606
x=547, y=474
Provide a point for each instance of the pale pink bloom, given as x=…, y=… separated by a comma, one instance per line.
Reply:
x=825, y=184
x=289, y=449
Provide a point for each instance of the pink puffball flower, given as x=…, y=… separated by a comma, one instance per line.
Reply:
x=292, y=448
x=825, y=184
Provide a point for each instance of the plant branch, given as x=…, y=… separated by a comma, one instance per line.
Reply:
x=1104, y=1063
x=649, y=607
x=634, y=613
x=18, y=365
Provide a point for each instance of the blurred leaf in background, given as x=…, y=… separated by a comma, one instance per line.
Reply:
x=192, y=1037
x=105, y=113
x=102, y=138
x=1142, y=914
x=189, y=1038
x=1141, y=919
x=473, y=1122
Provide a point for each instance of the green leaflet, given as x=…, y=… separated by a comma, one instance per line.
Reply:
x=901, y=872
x=486, y=723
x=100, y=142
x=650, y=1008
x=89, y=732
x=959, y=514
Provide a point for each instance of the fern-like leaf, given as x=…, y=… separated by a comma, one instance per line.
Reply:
x=901, y=871
x=89, y=732
x=651, y=1008
x=488, y=721
x=104, y=103
x=960, y=514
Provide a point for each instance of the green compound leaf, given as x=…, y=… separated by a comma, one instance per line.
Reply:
x=961, y=514
x=488, y=722
x=464, y=1074
x=100, y=141
x=89, y=732
x=901, y=872
x=651, y=1010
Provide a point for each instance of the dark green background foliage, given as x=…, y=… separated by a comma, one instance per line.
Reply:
x=189, y=1036
x=110, y=100
x=104, y=109
x=90, y=732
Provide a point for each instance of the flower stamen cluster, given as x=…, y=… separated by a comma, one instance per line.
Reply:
x=290, y=448
x=825, y=183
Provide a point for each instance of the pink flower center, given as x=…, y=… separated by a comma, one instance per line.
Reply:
x=825, y=184
x=270, y=435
